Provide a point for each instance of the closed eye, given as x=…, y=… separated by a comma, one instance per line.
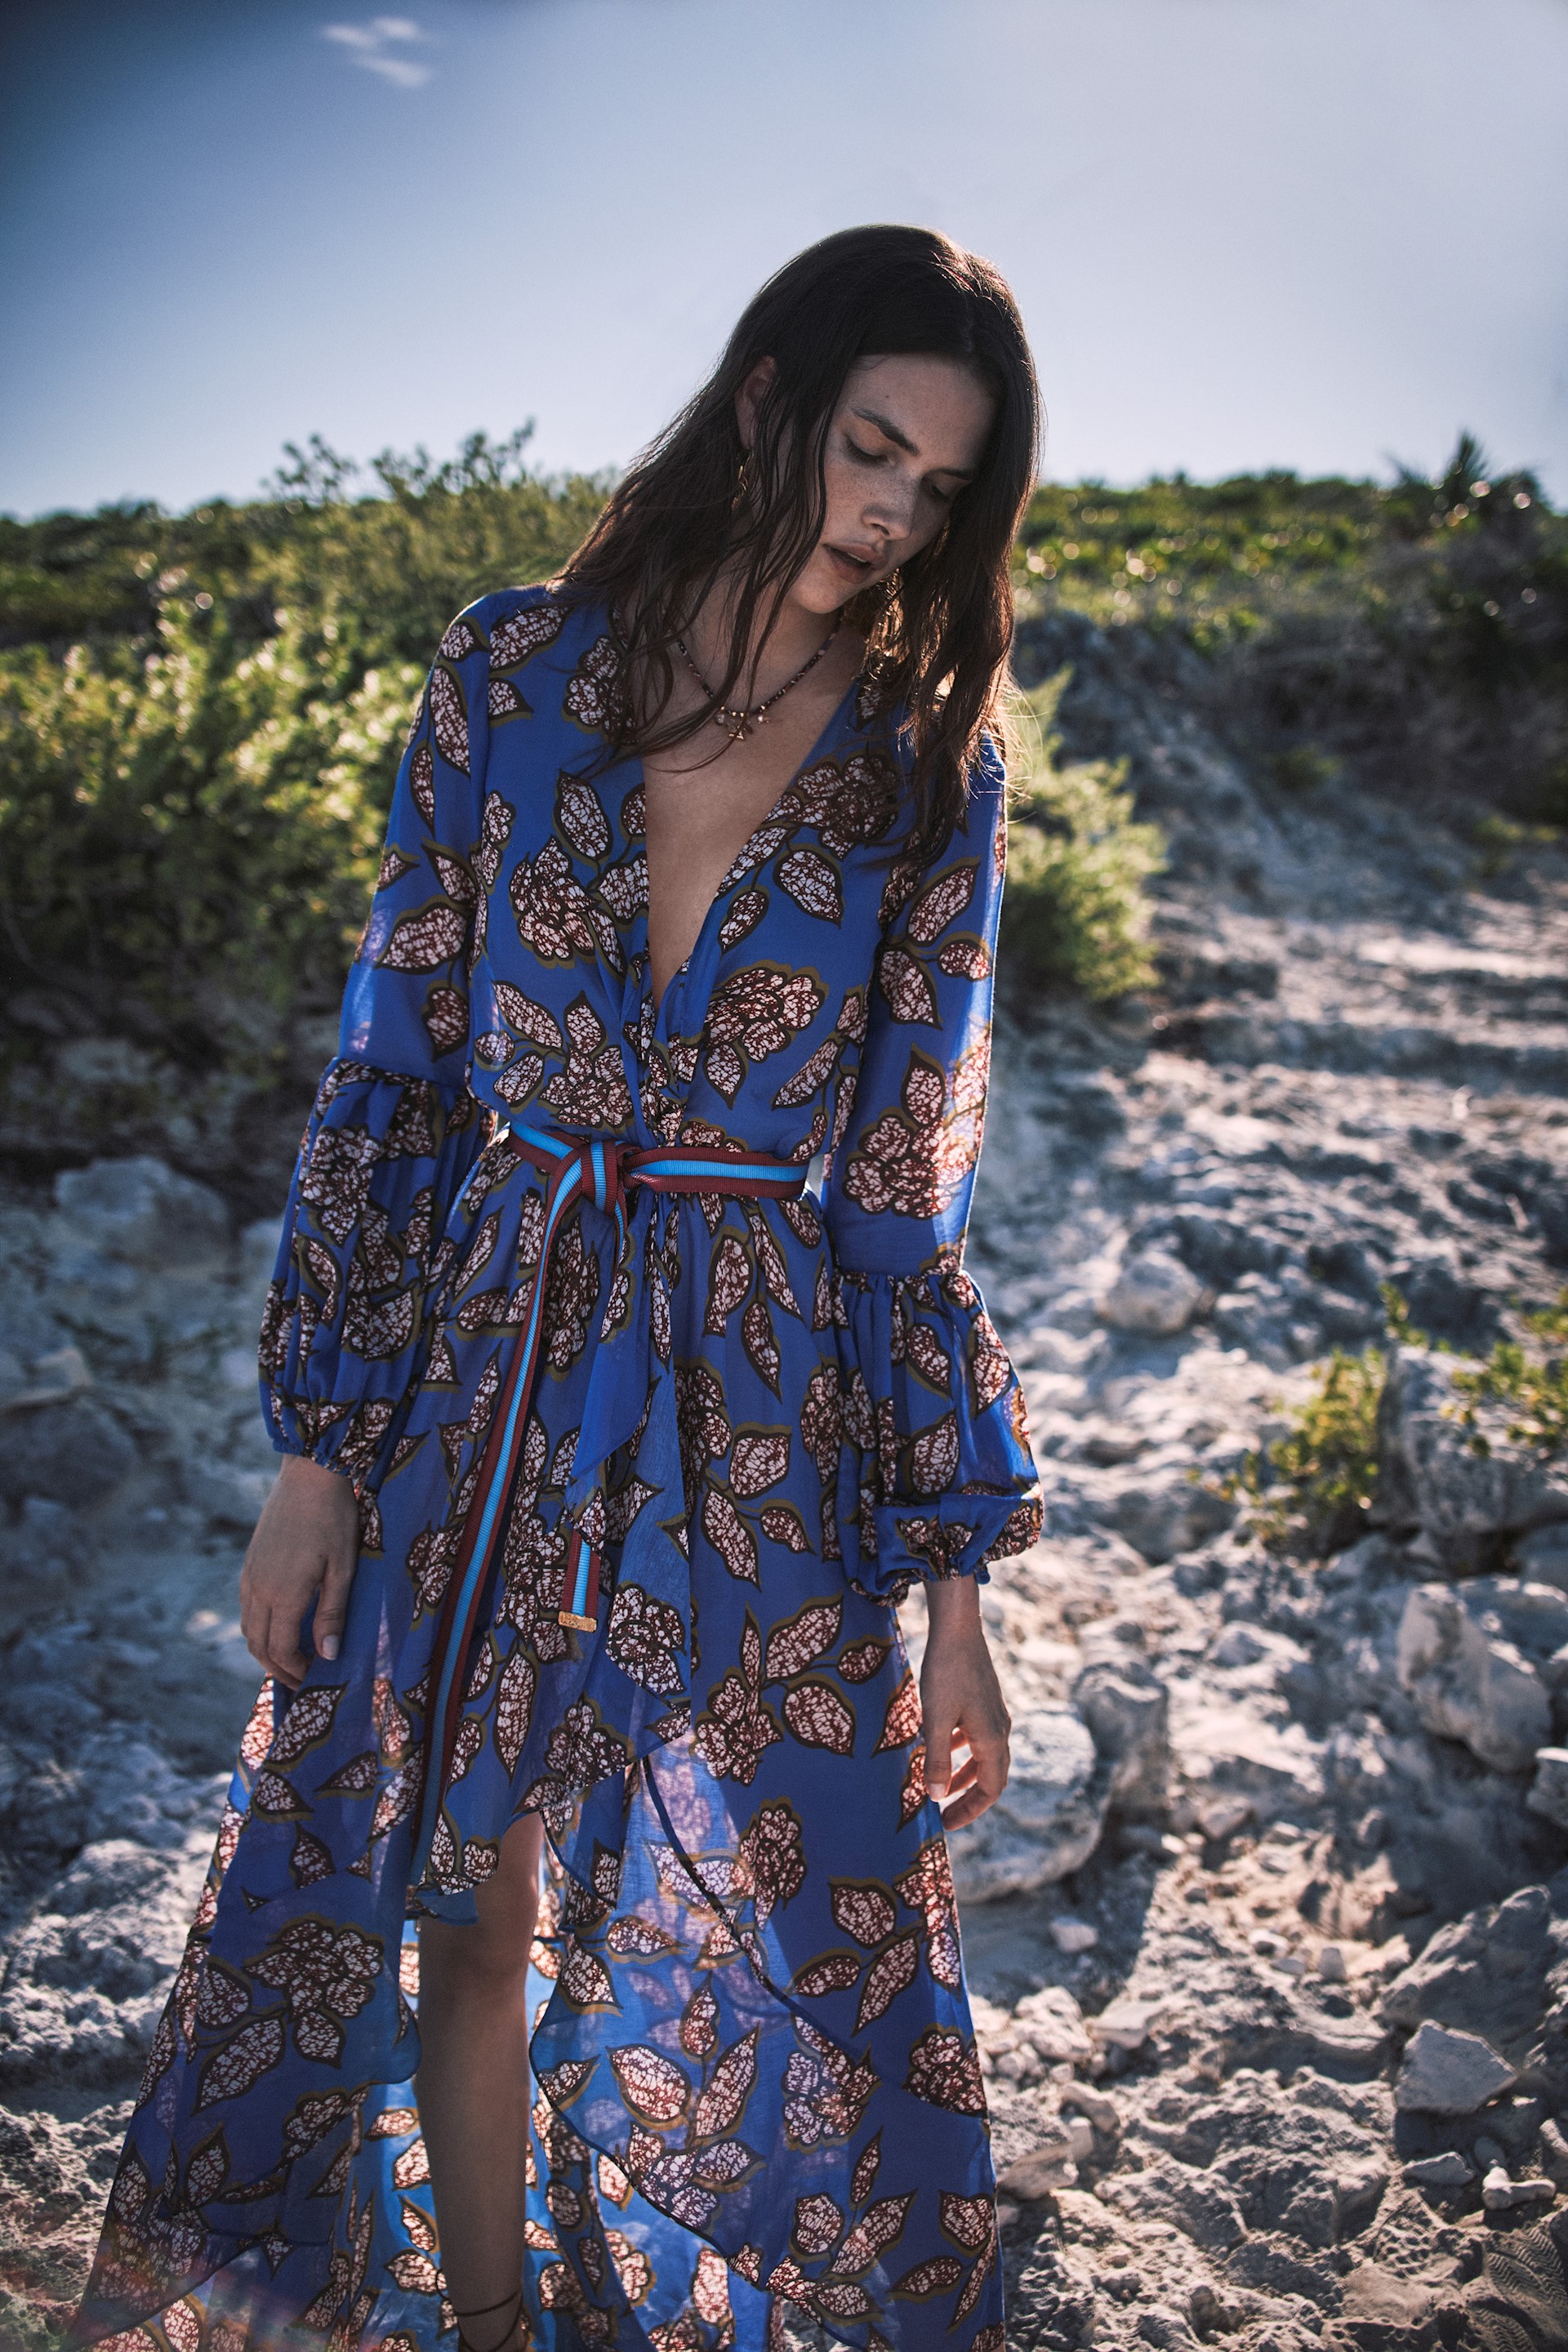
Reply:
x=888, y=457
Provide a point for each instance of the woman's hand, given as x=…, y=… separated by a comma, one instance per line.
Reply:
x=966, y=1718
x=304, y=1548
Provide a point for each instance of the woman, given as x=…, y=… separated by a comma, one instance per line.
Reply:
x=691, y=882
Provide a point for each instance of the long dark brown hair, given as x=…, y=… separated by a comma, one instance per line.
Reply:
x=939, y=641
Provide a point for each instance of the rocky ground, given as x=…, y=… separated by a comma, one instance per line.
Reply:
x=1270, y=1938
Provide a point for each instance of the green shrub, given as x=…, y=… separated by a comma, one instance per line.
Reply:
x=1416, y=634
x=1530, y=1383
x=1074, y=914
x=188, y=830
x=1312, y=1490
x=1500, y=842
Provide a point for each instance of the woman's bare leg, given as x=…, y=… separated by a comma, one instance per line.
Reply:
x=473, y=2087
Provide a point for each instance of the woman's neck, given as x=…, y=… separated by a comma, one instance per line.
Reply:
x=773, y=654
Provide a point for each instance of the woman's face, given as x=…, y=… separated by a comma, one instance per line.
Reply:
x=906, y=438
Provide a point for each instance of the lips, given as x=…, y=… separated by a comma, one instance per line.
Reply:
x=855, y=563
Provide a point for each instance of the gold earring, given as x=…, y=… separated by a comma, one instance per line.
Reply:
x=742, y=484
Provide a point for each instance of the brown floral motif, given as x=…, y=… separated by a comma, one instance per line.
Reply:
x=822, y=1420
x=902, y=1721
x=376, y=1326
x=729, y=1281
x=934, y=1456
x=730, y=1535
x=848, y=803
x=592, y=1090
x=652, y=2086
x=772, y=1852
x=704, y=1423
x=906, y=985
x=759, y=1459
x=522, y=634
x=942, y=901
x=926, y=1888
x=588, y=691
x=327, y=1974
x=825, y=2090
x=934, y=2276
x=240, y=2065
x=445, y=1017
x=646, y=1638
x=912, y=1160
x=582, y=1747
x=754, y=1014
x=990, y=1372
x=760, y=1341
x=881, y=2225
x=554, y=917
x=814, y=882
x=580, y=817
x=422, y=779
x=308, y=1722
x=735, y=1726
x=449, y=718
x=964, y=957
x=819, y=1716
x=570, y=1299
x=812, y=1076
x=527, y=1019
x=944, y=2070
x=743, y=913
x=427, y=938
x=1022, y=1532
x=335, y=1181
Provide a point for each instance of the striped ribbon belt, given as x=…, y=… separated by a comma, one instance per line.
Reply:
x=575, y=1169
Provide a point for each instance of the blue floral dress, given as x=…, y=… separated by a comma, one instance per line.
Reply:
x=757, y=2088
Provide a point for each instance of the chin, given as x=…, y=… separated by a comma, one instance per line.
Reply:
x=819, y=588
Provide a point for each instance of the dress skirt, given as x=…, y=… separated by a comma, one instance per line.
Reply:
x=757, y=2096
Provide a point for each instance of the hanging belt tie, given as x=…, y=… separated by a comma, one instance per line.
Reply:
x=575, y=1167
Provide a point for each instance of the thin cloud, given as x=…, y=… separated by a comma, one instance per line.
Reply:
x=372, y=46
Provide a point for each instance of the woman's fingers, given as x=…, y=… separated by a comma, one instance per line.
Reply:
x=285, y=1652
x=301, y=1557
x=938, y=1759
x=978, y=1777
x=333, y=1607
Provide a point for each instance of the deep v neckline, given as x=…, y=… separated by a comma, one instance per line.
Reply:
x=747, y=856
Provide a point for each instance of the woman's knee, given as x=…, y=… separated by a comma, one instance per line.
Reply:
x=487, y=1959
x=492, y=1951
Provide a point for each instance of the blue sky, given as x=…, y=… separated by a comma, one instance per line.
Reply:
x=1244, y=232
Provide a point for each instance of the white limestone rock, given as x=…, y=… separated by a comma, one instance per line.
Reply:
x=1483, y=1974
x=139, y=1211
x=1549, y=1794
x=1153, y=1293
x=1431, y=1473
x=1469, y=1681
x=1449, y=2073
x=1127, y=1710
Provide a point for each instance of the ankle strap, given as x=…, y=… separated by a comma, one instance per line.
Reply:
x=481, y=2311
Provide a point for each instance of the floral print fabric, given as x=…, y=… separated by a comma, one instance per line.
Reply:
x=757, y=2086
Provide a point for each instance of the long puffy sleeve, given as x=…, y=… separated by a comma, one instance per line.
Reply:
x=936, y=1478
x=394, y=1132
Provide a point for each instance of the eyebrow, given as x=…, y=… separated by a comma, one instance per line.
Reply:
x=896, y=433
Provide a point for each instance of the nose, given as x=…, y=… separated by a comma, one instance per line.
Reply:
x=892, y=510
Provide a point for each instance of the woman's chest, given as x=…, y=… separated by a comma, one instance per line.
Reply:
x=783, y=929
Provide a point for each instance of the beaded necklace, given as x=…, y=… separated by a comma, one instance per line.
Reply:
x=739, y=723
